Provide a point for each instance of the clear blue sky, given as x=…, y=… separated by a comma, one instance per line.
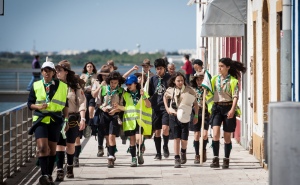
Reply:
x=55, y=25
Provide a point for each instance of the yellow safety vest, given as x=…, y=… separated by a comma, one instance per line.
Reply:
x=57, y=103
x=132, y=115
x=209, y=97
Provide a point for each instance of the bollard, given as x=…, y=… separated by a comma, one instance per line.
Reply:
x=283, y=143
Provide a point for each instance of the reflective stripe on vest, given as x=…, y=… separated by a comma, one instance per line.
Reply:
x=132, y=115
x=57, y=103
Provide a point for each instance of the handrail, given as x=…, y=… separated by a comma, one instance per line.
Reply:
x=16, y=146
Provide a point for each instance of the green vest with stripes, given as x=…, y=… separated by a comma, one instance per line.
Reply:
x=57, y=103
x=138, y=113
x=233, y=84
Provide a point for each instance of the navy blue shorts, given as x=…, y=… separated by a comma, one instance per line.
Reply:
x=71, y=134
x=197, y=127
x=178, y=129
x=110, y=126
x=219, y=116
x=159, y=118
x=50, y=131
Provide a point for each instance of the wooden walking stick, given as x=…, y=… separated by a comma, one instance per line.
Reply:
x=202, y=127
x=140, y=128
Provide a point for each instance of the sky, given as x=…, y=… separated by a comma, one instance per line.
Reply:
x=58, y=25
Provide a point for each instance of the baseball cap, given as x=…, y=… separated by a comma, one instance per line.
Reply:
x=198, y=61
x=131, y=79
x=49, y=65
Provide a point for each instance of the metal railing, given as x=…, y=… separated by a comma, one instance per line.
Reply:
x=16, y=146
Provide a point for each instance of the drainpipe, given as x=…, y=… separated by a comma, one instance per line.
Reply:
x=285, y=53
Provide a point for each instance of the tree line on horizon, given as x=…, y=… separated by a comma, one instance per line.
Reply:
x=20, y=60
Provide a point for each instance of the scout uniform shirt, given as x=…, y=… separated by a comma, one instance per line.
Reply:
x=76, y=100
x=223, y=92
x=101, y=94
x=113, y=97
x=89, y=81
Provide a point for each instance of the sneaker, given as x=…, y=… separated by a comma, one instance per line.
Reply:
x=178, y=163
x=60, y=175
x=197, y=159
x=76, y=162
x=183, y=158
x=140, y=158
x=204, y=158
x=133, y=162
x=70, y=173
x=225, y=164
x=215, y=163
x=100, y=151
x=44, y=180
x=158, y=157
x=166, y=151
x=87, y=131
x=110, y=162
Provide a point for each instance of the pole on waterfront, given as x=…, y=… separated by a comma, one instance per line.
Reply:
x=202, y=127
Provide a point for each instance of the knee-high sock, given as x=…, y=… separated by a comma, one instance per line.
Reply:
x=70, y=158
x=166, y=140
x=133, y=151
x=196, y=145
x=51, y=162
x=77, y=151
x=60, y=159
x=227, y=149
x=44, y=165
x=157, y=141
x=216, y=147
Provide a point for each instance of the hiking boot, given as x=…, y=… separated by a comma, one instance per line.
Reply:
x=110, y=162
x=178, y=163
x=215, y=163
x=51, y=180
x=60, y=175
x=87, y=131
x=100, y=151
x=70, y=173
x=204, y=158
x=197, y=159
x=44, y=180
x=166, y=151
x=225, y=164
x=76, y=162
x=183, y=158
x=140, y=158
x=133, y=162
x=158, y=157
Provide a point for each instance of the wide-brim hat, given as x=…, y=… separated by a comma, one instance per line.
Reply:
x=111, y=63
x=66, y=65
x=104, y=70
x=147, y=62
x=197, y=75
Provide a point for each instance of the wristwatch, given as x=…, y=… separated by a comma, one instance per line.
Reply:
x=83, y=119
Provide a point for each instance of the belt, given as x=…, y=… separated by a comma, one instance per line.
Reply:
x=223, y=103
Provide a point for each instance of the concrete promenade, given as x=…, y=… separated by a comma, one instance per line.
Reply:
x=244, y=168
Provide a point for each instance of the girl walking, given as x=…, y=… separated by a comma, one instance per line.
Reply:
x=178, y=92
x=224, y=110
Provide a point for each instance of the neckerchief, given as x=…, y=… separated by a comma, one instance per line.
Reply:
x=110, y=94
x=219, y=86
x=88, y=81
x=47, y=88
x=178, y=92
x=135, y=96
x=199, y=94
x=159, y=83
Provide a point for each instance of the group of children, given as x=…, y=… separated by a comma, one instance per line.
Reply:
x=67, y=107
